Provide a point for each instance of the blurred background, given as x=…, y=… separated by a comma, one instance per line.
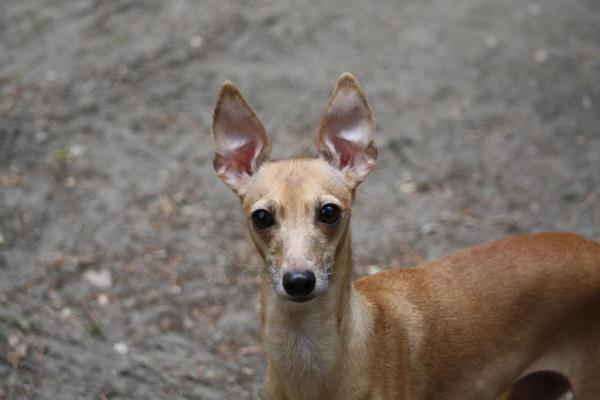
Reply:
x=125, y=270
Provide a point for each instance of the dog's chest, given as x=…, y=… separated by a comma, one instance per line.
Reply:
x=302, y=347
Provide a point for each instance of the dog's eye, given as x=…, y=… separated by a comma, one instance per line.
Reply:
x=330, y=214
x=262, y=219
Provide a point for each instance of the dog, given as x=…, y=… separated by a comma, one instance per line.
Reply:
x=513, y=319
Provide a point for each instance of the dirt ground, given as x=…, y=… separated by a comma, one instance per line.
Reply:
x=125, y=272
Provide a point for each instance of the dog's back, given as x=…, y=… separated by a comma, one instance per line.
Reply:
x=521, y=304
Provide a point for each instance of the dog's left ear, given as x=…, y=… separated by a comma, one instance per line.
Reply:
x=345, y=137
x=241, y=143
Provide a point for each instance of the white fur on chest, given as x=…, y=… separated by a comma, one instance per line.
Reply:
x=302, y=344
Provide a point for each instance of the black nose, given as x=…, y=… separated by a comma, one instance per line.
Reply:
x=299, y=284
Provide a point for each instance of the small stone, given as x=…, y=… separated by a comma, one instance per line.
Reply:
x=14, y=339
x=102, y=299
x=407, y=187
x=196, y=41
x=187, y=211
x=161, y=254
x=101, y=279
x=18, y=348
x=41, y=136
x=429, y=228
x=188, y=323
x=70, y=182
x=65, y=313
x=121, y=348
x=210, y=374
x=579, y=140
x=76, y=150
x=373, y=269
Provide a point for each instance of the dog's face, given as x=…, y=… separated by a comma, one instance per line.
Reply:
x=298, y=211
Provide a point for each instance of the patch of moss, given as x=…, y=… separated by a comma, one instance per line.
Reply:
x=442, y=92
x=570, y=197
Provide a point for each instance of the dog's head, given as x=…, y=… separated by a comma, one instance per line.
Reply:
x=298, y=211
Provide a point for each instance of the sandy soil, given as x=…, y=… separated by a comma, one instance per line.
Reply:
x=125, y=272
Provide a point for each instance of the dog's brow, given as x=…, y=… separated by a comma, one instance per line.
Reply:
x=266, y=204
x=328, y=198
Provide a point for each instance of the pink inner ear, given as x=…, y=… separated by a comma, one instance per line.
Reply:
x=240, y=158
x=347, y=131
x=345, y=149
x=237, y=163
x=239, y=139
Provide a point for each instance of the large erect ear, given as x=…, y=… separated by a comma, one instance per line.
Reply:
x=241, y=143
x=345, y=137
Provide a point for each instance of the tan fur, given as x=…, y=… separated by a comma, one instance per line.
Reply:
x=466, y=326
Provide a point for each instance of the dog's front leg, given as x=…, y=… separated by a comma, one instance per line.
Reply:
x=275, y=390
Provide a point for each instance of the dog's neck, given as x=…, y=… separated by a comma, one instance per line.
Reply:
x=310, y=342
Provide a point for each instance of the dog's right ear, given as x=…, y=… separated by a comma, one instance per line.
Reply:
x=241, y=143
x=345, y=137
